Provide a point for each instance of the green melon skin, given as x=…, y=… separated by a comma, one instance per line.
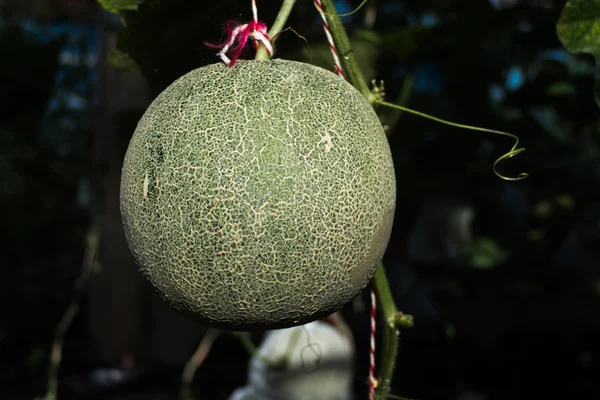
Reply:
x=258, y=196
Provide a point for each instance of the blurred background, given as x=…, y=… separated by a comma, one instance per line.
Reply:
x=502, y=278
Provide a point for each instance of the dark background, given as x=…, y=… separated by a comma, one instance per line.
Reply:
x=503, y=278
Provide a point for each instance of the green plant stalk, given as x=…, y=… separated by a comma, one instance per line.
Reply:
x=393, y=319
x=342, y=44
x=186, y=391
x=390, y=335
x=280, y=20
x=87, y=268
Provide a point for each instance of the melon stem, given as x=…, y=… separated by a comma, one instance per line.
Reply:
x=280, y=20
x=393, y=320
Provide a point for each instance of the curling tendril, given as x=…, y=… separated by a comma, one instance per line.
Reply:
x=511, y=153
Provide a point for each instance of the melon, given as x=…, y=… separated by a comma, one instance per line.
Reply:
x=258, y=196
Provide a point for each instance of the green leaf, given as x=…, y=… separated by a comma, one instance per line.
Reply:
x=122, y=60
x=578, y=29
x=561, y=89
x=115, y=6
x=485, y=253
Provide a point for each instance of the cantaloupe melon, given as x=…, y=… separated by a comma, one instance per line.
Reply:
x=258, y=196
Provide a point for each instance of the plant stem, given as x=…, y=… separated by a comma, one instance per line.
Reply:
x=69, y=315
x=251, y=348
x=393, y=319
x=342, y=44
x=187, y=377
x=284, y=13
x=390, y=335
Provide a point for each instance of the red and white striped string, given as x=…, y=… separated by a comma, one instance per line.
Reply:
x=372, y=380
x=338, y=65
x=259, y=31
x=338, y=68
x=238, y=36
x=254, y=11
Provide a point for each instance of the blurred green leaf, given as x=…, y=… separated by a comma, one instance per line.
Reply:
x=565, y=201
x=122, y=60
x=485, y=253
x=543, y=209
x=115, y=6
x=402, y=42
x=578, y=29
x=561, y=89
x=366, y=54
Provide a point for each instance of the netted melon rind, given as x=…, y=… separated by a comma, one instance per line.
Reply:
x=259, y=196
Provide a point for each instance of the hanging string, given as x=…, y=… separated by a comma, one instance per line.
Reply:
x=237, y=37
x=254, y=12
x=259, y=32
x=372, y=380
x=338, y=65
